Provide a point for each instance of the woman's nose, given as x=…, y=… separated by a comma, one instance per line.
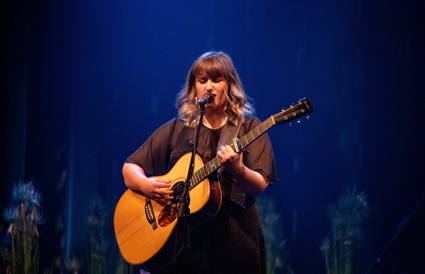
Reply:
x=209, y=85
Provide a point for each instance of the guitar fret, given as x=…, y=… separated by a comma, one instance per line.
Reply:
x=256, y=132
x=204, y=171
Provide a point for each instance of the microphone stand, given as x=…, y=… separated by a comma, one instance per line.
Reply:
x=184, y=210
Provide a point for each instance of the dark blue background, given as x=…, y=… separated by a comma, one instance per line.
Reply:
x=84, y=83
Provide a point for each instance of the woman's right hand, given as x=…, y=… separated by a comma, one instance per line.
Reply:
x=159, y=190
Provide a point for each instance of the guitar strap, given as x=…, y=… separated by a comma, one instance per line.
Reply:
x=231, y=191
x=230, y=131
x=228, y=134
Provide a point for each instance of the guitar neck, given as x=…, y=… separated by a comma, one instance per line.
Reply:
x=256, y=132
x=294, y=111
x=243, y=142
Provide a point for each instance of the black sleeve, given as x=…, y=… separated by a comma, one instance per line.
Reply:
x=153, y=154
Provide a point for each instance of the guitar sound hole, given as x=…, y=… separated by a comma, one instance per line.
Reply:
x=178, y=190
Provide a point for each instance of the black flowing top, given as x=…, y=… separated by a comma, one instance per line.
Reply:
x=232, y=241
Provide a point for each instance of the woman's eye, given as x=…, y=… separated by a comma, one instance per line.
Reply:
x=202, y=80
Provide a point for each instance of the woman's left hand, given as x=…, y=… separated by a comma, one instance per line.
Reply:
x=230, y=160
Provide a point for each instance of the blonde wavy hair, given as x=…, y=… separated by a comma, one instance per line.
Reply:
x=214, y=64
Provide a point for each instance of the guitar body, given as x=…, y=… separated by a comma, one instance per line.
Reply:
x=143, y=227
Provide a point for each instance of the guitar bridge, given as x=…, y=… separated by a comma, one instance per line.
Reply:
x=150, y=216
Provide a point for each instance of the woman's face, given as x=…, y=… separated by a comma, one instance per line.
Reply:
x=215, y=85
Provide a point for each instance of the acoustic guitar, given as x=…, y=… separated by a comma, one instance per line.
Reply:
x=145, y=230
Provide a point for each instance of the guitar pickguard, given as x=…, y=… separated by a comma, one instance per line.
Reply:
x=168, y=215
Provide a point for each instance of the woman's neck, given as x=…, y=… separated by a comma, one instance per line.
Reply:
x=214, y=121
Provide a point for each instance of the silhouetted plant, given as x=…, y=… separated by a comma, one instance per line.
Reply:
x=5, y=252
x=275, y=242
x=96, y=222
x=24, y=215
x=341, y=250
x=73, y=265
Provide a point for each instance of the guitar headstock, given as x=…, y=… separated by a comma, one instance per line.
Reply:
x=294, y=111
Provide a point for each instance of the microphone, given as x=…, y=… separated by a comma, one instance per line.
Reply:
x=206, y=99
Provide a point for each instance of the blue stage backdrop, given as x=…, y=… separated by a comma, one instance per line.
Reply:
x=86, y=82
